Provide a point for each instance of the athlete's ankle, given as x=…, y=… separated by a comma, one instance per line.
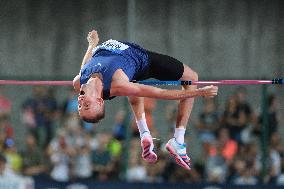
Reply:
x=142, y=126
x=178, y=143
x=145, y=133
x=179, y=134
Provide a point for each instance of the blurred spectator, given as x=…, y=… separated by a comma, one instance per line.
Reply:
x=182, y=176
x=60, y=154
x=246, y=175
x=273, y=117
x=101, y=158
x=252, y=154
x=119, y=127
x=83, y=162
x=33, y=163
x=234, y=119
x=227, y=146
x=207, y=125
x=14, y=159
x=171, y=116
x=274, y=165
x=2, y=141
x=242, y=102
x=280, y=178
x=5, y=105
x=216, y=166
x=277, y=143
x=115, y=148
x=155, y=171
x=5, y=171
x=6, y=127
x=81, y=141
x=255, y=156
x=74, y=132
x=28, y=118
x=136, y=171
x=273, y=114
x=208, y=122
x=70, y=105
x=76, y=152
x=246, y=115
x=39, y=113
x=166, y=170
x=237, y=166
x=245, y=169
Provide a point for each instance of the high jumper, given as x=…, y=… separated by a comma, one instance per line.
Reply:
x=107, y=71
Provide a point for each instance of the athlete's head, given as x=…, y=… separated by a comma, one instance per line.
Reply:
x=90, y=103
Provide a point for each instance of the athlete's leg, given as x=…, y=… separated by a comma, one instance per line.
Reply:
x=176, y=145
x=137, y=105
x=185, y=106
x=164, y=67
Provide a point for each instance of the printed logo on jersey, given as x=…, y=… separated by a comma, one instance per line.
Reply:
x=112, y=45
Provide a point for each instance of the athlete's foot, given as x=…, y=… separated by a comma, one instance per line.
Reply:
x=178, y=151
x=147, y=149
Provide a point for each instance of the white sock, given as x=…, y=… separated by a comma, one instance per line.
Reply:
x=142, y=126
x=179, y=134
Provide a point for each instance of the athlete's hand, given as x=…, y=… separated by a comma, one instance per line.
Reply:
x=93, y=38
x=208, y=91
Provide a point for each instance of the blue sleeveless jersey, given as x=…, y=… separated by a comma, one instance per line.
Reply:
x=111, y=56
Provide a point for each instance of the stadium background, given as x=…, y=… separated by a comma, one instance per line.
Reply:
x=46, y=40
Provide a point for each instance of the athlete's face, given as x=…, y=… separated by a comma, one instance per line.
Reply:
x=89, y=103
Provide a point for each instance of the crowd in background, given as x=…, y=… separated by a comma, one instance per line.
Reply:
x=59, y=146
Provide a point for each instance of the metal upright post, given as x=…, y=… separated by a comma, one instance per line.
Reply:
x=264, y=132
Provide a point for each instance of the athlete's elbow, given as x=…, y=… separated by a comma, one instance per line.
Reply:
x=76, y=83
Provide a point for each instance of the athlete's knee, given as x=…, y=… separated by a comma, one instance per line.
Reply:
x=194, y=76
x=189, y=74
x=133, y=100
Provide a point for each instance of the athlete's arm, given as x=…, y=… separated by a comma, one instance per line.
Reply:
x=126, y=88
x=93, y=40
